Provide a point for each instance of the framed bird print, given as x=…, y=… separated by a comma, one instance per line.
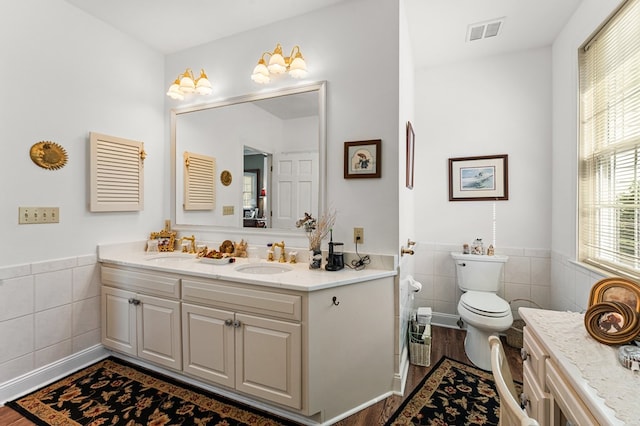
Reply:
x=362, y=159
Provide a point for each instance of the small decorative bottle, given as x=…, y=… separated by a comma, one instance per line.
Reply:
x=477, y=247
x=490, y=250
x=465, y=249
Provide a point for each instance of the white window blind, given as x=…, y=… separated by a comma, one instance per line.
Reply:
x=609, y=219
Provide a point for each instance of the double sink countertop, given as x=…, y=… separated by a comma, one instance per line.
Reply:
x=297, y=276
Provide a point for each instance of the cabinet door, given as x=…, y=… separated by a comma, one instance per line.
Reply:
x=119, y=320
x=538, y=402
x=269, y=359
x=159, y=331
x=208, y=343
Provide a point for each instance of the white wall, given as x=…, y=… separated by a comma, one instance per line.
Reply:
x=493, y=105
x=67, y=74
x=570, y=282
x=342, y=45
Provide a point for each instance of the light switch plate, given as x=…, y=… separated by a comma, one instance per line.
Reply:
x=27, y=215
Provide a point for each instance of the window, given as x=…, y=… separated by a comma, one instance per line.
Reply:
x=609, y=216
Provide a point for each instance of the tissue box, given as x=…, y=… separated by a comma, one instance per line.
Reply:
x=424, y=316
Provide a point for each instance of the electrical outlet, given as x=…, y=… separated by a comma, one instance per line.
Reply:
x=27, y=215
x=358, y=235
x=227, y=210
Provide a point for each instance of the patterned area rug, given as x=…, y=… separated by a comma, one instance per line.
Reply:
x=452, y=393
x=114, y=392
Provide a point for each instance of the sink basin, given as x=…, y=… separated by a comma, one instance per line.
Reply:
x=264, y=268
x=169, y=257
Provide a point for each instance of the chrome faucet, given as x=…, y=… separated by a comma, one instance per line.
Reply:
x=283, y=258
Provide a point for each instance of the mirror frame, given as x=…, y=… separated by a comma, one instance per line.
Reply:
x=320, y=87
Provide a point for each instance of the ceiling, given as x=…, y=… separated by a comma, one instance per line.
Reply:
x=437, y=28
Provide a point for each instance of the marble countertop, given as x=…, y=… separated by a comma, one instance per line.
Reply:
x=592, y=368
x=300, y=278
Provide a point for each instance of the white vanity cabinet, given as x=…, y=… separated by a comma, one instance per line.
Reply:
x=136, y=321
x=556, y=392
x=246, y=339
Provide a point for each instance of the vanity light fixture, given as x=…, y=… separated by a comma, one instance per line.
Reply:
x=186, y=84
x=294, y=64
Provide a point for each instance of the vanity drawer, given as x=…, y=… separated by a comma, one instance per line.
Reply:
x=534, y=355
x=567, y=406
x=152, y=284
x=223, y=295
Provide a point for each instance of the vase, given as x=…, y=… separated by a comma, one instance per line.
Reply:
x=315, y=258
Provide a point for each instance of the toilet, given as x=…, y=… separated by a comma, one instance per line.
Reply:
x=480, y=308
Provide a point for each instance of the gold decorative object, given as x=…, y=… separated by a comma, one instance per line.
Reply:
x=48, y=155
x=227, y=247
x=226, y=178
x=166, y=239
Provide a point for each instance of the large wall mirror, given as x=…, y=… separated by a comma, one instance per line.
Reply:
x=265, y=161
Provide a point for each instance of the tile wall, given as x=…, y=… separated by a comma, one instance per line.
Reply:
x=527, y=275
x=48, y=311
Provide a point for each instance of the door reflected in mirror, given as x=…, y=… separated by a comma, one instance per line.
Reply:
x=272, y=144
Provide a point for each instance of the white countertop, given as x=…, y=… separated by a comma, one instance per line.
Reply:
x=606, y=387
x=300, y=278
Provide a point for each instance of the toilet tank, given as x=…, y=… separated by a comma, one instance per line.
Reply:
x=478, y=272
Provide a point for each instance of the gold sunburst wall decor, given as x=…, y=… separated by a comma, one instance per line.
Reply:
x=48, y=155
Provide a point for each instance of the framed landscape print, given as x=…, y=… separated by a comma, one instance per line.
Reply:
x=479, y=178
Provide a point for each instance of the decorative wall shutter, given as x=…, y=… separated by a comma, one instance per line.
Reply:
x=199, y=182
x=117, y=174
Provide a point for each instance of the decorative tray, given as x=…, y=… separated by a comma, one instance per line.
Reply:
x=214, y=261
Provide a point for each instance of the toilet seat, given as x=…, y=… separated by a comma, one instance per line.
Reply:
x=485, y=304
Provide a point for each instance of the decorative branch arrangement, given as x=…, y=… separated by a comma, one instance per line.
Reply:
x=317, y=230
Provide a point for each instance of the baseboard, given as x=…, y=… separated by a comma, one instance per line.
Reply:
x=400, y=379
x=37, y=378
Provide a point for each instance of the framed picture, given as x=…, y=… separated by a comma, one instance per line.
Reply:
x=612, y=323
x=616, y=290
x=166, y=239
x=411, y=136
x=478, y=178
x=362, y=159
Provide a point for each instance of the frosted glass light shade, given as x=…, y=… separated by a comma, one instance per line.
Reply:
x=174, y=92
x=261, y=73
x=298, y=68
x=277, y=64
x=187, y=85
x=203, y=85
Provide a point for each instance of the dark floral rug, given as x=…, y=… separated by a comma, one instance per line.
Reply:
x=452, y=393
x=114, y=392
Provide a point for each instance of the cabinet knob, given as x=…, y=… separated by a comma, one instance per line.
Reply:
x=133, y=301
x=524, y=401
x=228, y=322
x=237, y=324
x=524, y=354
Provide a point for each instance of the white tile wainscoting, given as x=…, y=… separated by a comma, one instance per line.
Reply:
x=49, y=311
x=527, y=275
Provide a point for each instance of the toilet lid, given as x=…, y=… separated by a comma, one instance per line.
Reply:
x=487, y=304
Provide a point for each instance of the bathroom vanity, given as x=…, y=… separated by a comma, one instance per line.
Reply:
x=570, y=378
x=291, y=338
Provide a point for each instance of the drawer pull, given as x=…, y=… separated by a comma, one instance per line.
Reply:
x=524, y=401
x=524, y=354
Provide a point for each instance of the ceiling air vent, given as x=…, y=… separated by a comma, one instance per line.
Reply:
x=485, y=29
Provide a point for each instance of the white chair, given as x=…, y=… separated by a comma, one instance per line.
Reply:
x=510, y=412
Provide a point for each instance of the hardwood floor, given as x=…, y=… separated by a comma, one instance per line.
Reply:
x=445, y=342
